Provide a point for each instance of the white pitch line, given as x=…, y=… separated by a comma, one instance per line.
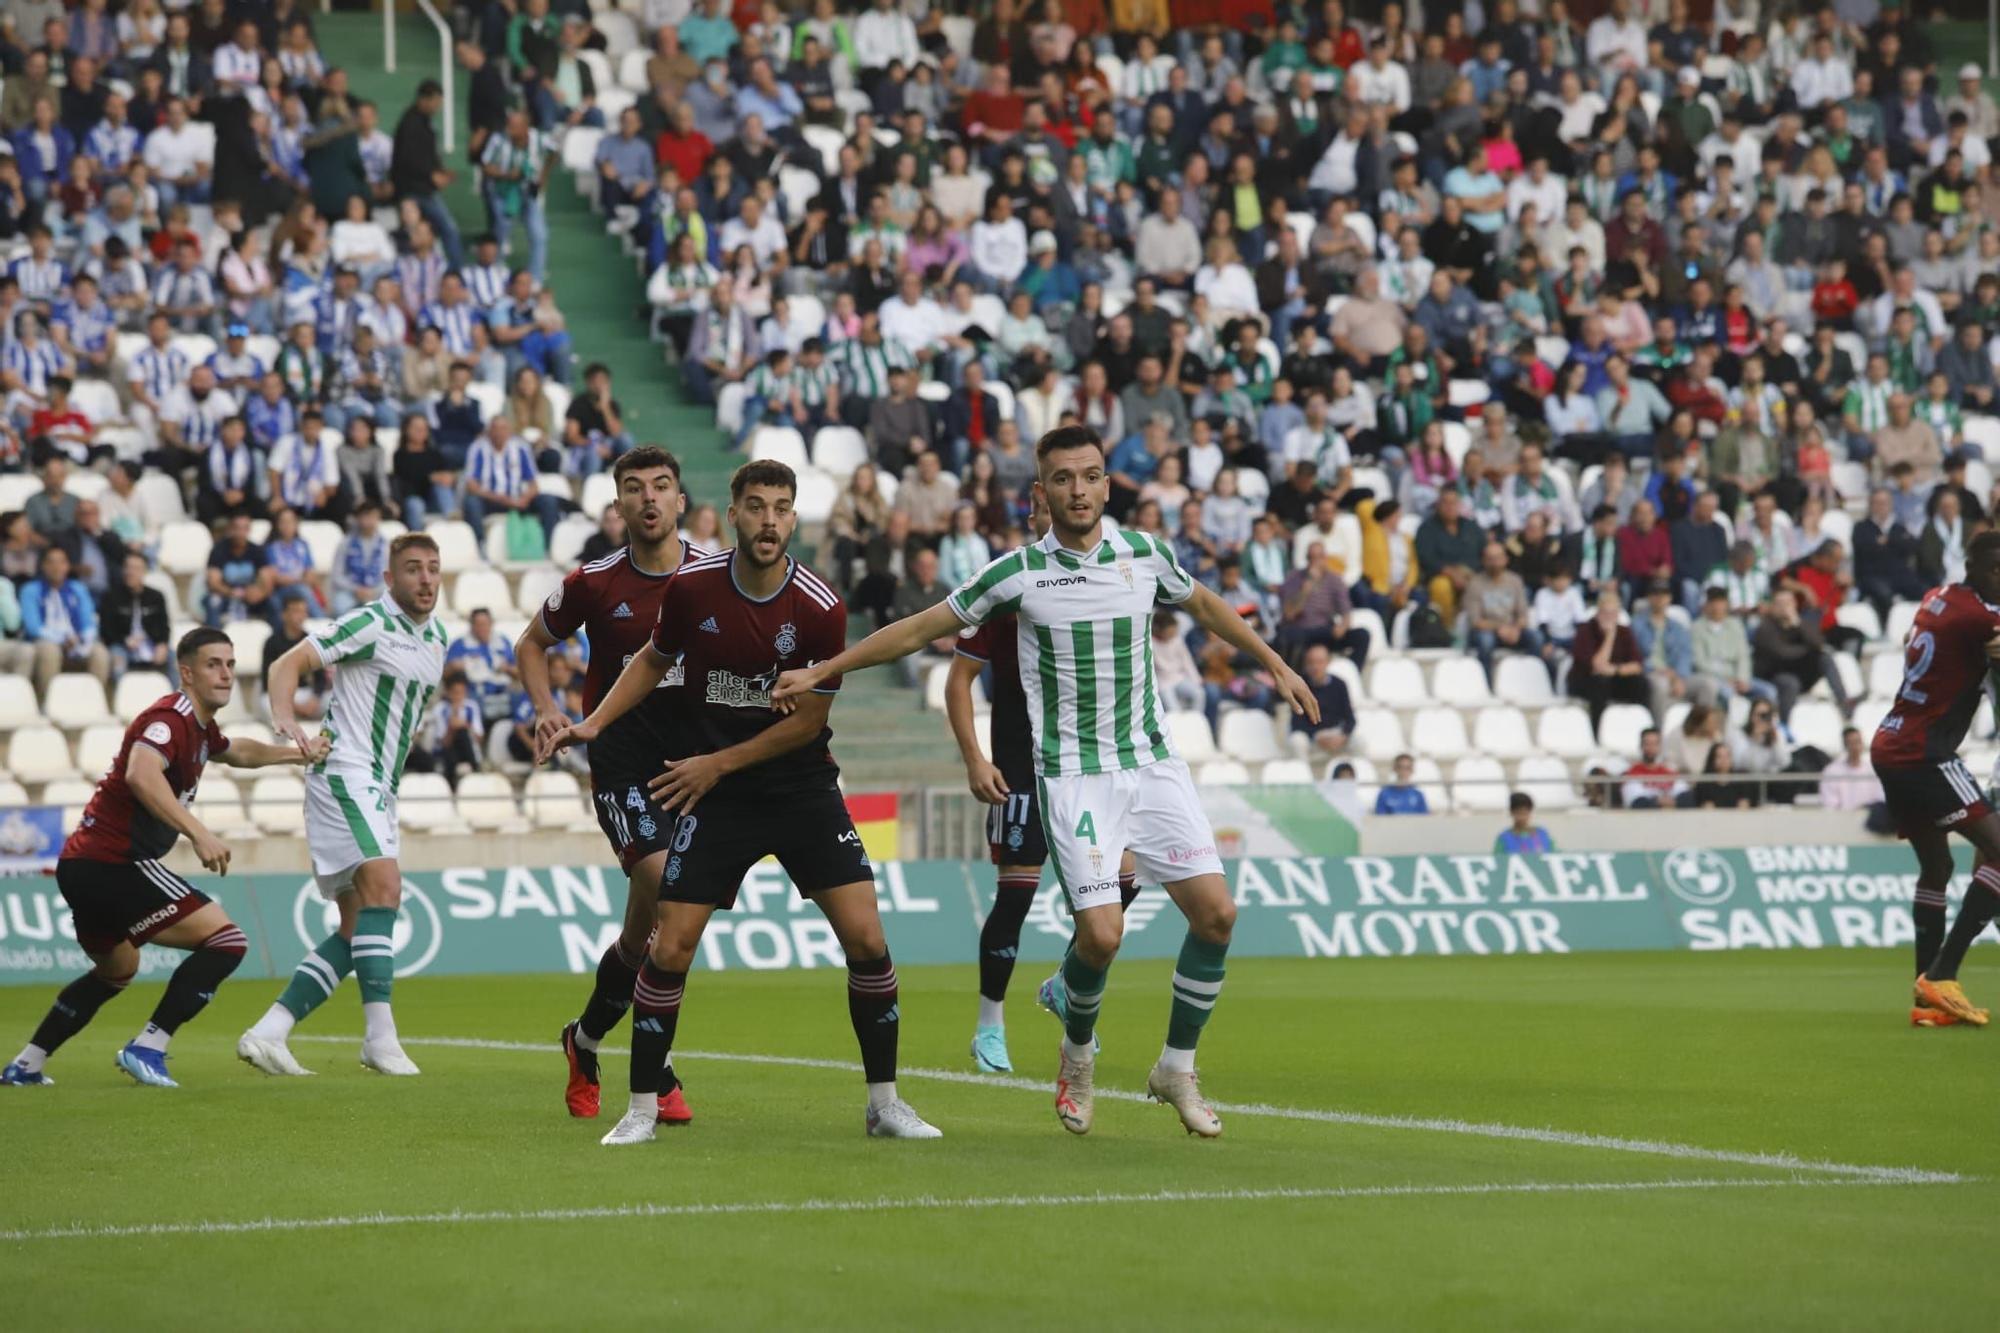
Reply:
x=922, y=1202
x=1894, y=1175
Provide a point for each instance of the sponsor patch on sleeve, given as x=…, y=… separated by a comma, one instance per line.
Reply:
x=159, y=733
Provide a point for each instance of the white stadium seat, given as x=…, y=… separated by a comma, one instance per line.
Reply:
x=567, y=541
x=1547, y=782
x=1285, y=773
x=72, y=794
x=1396, y=682
x=1222, y=773
x=1564, y=730
x=217, y=804
x=249, y=637
x=1502, y=733
x=277, y=804
x=184, y=547
x=817, y=494
x=1901, y=616
x=97, y=749
x=18, y=707
x=1438, y=733
x=536, y=585
x=1619, y=727
x=782, y=443
x=1814, y=722
x=838, y=450
x=1479, y=785
x=1461, y=682
x=1378, y=735
x=1523, y=682
x=555, y=800
x=458, y=545
x=424, y=803
x=481, y=588
x=486, y=801
x=76, y=701
x=1191, y=736
x=1885, y=675
x=1249, y=736
x=599, y=490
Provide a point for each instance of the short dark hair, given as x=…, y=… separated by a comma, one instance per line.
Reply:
x=1984, y=549
x=644, y=458
x=762, y=472
x=197, y=639
x=1070, y=437
x=1520, y=800
x=596, y=368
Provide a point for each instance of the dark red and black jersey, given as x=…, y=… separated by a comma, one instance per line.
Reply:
x=996, y=643
x=115, y=826
x=732, y=649
x=615, y=603
x=1944, y=674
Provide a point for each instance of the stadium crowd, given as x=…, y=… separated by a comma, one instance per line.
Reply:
x=1656, y=353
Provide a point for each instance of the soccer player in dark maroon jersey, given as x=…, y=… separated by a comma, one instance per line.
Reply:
x=748, y=782
x=615, y=602
x=121, y=897
x=1952, y=645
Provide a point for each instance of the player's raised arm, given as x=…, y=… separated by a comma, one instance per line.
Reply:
x=246, y=753
x=1220, y=619
x=887, y=644
x=684, y=782
x=146, y=775
x=641, y=676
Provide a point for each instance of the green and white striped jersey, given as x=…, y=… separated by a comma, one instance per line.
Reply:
x=1086, y=646
x=387, y=669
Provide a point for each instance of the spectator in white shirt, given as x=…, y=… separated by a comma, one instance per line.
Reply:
x=1849, y=782
x=1380, y=81
x=1168, y=248
x=999, y=243
x=882, y=35
x=1538, y=186
x=181, y=157
x=751, y=226
x=1823, y=77
x=913, y=319
x=1616, y=44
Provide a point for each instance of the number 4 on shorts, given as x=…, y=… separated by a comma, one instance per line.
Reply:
x=1087, y=828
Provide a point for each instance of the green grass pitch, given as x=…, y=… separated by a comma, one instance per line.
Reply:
x=1815, y=1117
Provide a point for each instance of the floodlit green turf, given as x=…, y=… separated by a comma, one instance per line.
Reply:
x=1799, y=1054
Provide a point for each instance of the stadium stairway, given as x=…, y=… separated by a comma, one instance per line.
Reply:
x=886, y=738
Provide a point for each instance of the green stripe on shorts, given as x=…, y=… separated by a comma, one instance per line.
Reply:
x=357, y=824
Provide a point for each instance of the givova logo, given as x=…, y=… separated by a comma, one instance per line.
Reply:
x=1051, y=914
x=1699, y=876
x=419, y=927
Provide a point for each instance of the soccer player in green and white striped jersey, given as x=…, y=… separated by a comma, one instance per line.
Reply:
x=387, y=659
x=1106, y=772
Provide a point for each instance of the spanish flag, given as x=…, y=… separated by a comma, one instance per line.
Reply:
x=874, y=816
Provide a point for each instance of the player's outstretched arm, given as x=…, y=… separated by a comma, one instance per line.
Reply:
x=531, y=658
x=640, y=677
x=245, y=753
x=685, y=781
x=1220, y=619
x=887, y=644
x=980, y=773
x=284, y=686
x=146, y=775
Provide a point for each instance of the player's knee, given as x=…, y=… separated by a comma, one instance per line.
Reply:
x=673, y=950
x=1098, y=935
x=1214, y=921
x=115, y=972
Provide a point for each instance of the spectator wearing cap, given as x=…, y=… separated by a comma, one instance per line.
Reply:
x=1971, y=100
x=236, y=368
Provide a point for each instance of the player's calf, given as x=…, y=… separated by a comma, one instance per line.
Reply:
x=72, y=1011
x=189, y=991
